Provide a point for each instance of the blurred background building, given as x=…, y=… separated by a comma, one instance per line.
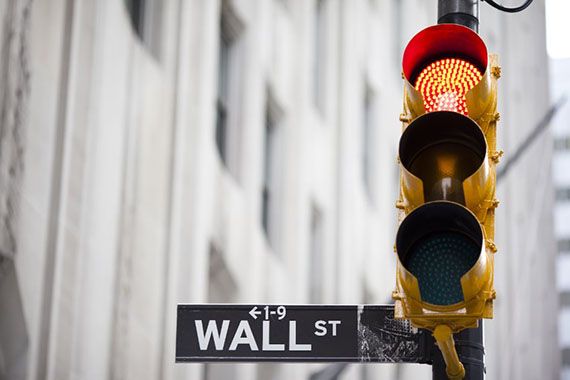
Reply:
x=559, y=52
x=163, y=152
x=561, y=163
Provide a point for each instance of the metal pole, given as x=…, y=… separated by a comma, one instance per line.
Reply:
x=462, y=12
x=469, y=345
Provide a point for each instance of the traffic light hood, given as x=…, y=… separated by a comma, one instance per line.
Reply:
x=443, y=41
x=444, y=157
x=464, y=82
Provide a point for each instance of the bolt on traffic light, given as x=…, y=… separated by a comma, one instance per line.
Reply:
x=447, y=153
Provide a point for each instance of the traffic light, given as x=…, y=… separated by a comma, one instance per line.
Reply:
x=447, y=153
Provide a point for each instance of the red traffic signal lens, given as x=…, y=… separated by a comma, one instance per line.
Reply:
x=443, y=62
x=444, y=83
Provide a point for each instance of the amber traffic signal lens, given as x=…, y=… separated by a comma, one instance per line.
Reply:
x=443, y=149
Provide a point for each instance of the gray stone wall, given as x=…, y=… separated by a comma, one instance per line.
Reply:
x=14, y=92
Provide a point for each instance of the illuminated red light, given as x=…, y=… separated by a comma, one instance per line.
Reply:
x=444, y=83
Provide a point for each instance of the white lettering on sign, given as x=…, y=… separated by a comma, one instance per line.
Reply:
x=267, y=345
x=239, y=337
x=212, y=331
x=334, y=324
x=322, y=330
x=293, y=345
x=244, y=335
x=254, y=312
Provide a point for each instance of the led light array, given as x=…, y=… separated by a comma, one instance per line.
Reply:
x=444, y=83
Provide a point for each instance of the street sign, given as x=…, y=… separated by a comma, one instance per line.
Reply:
x=297, y=333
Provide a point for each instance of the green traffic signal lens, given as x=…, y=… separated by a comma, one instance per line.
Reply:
x=438, y=243
x=438, y=262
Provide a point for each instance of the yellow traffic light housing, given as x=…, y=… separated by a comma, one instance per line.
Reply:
x=444, y=156
x=447, y=154
x=444, y=267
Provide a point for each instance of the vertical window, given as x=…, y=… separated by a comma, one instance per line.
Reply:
x=270, y=171
x=136, y=13
x=225, y=45
x=145, y=16
x=227, y=131
x=562, y=143
x=221, y=284
x=565, y=356
x=223, y=95
x=563, y=245
x=563, y=194
x=14, y=339
x=316, y=256
x=319, y=54
x=267, y=195
x=564, y=299
x=367, y=141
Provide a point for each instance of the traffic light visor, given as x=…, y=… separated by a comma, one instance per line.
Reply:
x=443, y=41
x=438, y=243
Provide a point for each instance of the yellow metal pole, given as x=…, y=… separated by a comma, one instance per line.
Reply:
x=444, y=338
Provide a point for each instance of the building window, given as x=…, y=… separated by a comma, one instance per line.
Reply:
x=221, y=284
x=226, y=135
x=270, y=170
x=368, y=142
x=563, y=194
x=14, y=337
x=222, y=101
x=562, y=143
x=566, y=356
x=316, y=256
x=136, y=13
x=319, y=50
x=145, y=17
x=563, y=245
x=565, y=300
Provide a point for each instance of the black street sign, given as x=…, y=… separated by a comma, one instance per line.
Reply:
x=297, y=333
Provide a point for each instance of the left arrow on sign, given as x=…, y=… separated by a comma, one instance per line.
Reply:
x=254, y=312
